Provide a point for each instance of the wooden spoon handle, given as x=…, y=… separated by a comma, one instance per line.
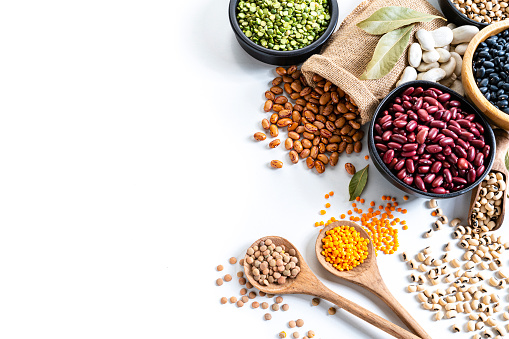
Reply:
x=383, y=293
x=366, y=315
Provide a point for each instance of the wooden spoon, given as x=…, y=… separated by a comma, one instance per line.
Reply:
x=368, y=276
x=502, y=144
x=307, y=283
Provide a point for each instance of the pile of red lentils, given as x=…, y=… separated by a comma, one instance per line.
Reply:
x=379, y=222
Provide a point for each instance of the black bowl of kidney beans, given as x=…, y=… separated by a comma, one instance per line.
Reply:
x=490, y=66
x=429, y=141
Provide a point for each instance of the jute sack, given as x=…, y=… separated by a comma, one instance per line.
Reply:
x=345, y=56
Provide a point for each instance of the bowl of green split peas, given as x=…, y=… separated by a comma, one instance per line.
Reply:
x=283, y=32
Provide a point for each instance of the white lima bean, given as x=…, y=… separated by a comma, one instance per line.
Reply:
x=435, y=75
x=444, y=55
x=415, y=55
x=463, y=34
x=409, y=74
x=461, y=48
x=425, y=39
x=430, y=56
x=442, y=36
x=449, y=67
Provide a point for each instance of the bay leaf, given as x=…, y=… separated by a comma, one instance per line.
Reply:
x=389, y=18
x=357, y=183
x=387, y=52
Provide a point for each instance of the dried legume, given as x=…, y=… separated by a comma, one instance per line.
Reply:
x=344, y=248
x=283, y=26
x=429, y=142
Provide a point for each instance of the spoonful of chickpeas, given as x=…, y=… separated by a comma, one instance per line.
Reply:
x=273, y=265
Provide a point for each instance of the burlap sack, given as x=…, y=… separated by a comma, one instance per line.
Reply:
x=345, y=56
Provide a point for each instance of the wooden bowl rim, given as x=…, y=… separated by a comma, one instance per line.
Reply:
x=468, y=74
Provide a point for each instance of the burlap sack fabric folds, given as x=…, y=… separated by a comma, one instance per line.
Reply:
x=345, y=56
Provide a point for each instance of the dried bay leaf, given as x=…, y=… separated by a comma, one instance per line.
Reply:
x=357, y=183
x=389, y=49
x=390, y=18
x=507, y=161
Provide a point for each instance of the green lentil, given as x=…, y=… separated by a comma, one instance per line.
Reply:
x=283, y=25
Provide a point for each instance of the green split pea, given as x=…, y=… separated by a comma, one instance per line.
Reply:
x=283, y=25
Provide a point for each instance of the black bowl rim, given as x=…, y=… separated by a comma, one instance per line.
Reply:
x=334, y=13
x=393, y=178
x=463, y=16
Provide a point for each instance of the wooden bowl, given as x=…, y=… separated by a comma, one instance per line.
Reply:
x=472, y=92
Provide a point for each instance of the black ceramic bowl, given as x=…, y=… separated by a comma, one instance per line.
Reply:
x=489, y=139
x=282, y=58
x=452, y=14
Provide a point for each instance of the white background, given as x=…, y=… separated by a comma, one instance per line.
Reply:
x=128, y=172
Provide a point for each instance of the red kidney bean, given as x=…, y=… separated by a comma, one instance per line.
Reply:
x=421, y=136
x=466, y=136
x=437, y=139
x=471, y=176
x=438, y=124
x=447, y=150
x=419, y=183
x=452, y=158
x=432, y=101
x=479, y=128
x=446, y=116
x=446, y=141
x=444, y=97
x=409, y=147
x=409, y=91
x=423, y=115
x=433, y=149
x=411, y=137
x=401, y=174
x=394, y=145
x=440, y=156
x=410, y=166
x=428, y=179
x=477, y=143
x=463, y=164
x=411, y=126
x=435, y=168
x=399, y=138
x=470, y=117
x=385, y=119
x=479, y=171
x=398, y=108
x=408, y=180
x=421, y=149
x=475, y=132
x=460, y=152
x=393, y=163
x=479, y=159
x=439, y=190
x=423, y=169
x=381, y=147
x=424, y=162
x=450, y=134
x=400, y=123
x=433, y=132
x=399, y=165
x=454, y=123
x=447, y=175
x=412, y=115
x=486, y=150
x=388, y=156
x=408, y=154
x=438, y=181
x=455, y=129
x=432, y=109
x=471, y=152
x=454, y=103
x=386, y=136
x=459, y=181
x=462, y=143
x=463, y=123
x=378, y=129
